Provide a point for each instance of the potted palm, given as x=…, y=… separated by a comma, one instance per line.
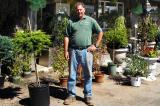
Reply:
x=60, y=65
x=117, y=40
x=136, y=68
x=5, y=55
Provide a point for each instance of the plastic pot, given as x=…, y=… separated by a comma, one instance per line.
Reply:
x=39, y=95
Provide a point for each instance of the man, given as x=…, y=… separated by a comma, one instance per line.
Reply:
x=78, y=49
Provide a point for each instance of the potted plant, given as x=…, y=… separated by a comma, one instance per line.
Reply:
x=147, y=31
x=117, y=40
x=136, y=67
x=60, y=65
x=28, y=43
x=98, y=74
x=5, y=56
x=150, y=55
x=16, y=69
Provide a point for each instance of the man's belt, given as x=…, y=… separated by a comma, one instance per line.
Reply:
x=80, y=48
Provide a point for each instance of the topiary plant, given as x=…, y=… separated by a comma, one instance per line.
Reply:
x=117, y=36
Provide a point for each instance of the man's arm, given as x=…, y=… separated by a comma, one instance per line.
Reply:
x=99, y=39
x=94, y=46
x=66, y=43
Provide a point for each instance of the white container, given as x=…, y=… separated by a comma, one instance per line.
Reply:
x=136, y=81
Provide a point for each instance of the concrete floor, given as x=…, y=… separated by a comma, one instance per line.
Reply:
x=108, y=93
x=111, y=94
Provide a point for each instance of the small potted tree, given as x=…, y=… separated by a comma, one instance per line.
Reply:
x=136, y=68
x=60, y=65
x=28, y=43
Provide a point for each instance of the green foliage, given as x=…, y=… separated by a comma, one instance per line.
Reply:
x=5, y=47
x=5, y=53
x=136, y=66
x=109, y=18
x=58, y=26
x=26, y=64
x=16, y=68
x=117, y=36
x=27, y=42
x=147, y=29
x=60, y=64
x=152, y=32
x=37, y=4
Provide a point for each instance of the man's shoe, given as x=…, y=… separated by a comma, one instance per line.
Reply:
x=69, y=100
x=88, y=101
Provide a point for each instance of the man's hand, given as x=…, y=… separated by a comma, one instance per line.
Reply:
x=91, y=48
x=66, y=55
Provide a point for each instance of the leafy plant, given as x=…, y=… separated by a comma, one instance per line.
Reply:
x=30, y=42
x=26, y=64
x=147, y=29
x=58, y=26
x=60, y=64
x=16, y=68
x=136, y=66
x=6, y=48
x=152, y=32
x=117, y=37
x=27, y=42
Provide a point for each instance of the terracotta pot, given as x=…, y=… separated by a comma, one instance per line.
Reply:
x=99, y=77
x=63, y=82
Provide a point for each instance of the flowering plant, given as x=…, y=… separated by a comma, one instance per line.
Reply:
x=150, y=52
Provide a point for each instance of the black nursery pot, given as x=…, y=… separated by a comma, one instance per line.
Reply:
x=39, y=95
x=1, y=81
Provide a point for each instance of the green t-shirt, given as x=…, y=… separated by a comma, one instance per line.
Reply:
x=80, y=31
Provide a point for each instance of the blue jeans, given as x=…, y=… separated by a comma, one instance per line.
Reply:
x=84, y=58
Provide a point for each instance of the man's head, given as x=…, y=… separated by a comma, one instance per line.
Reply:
x=80, y=9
